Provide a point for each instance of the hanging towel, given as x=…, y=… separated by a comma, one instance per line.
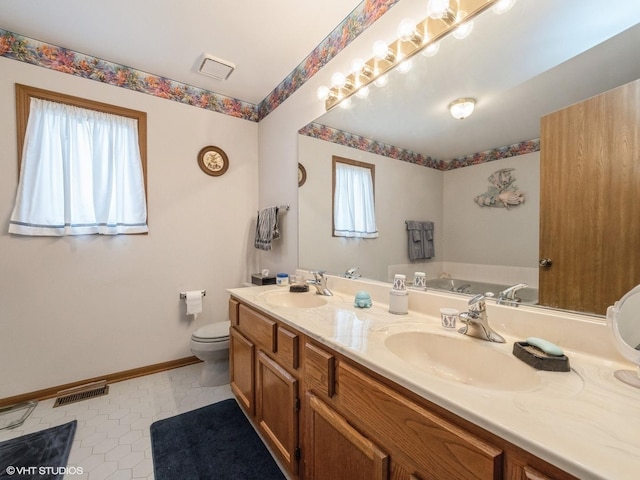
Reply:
x=267, y=228
x=420, y=239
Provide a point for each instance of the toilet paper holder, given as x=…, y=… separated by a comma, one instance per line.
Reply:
x=183, y=295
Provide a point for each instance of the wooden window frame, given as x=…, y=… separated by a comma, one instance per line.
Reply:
x=25, y=93
x=334, y=160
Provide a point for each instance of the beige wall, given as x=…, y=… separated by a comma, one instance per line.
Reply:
x=72, y=308
x=489, y=235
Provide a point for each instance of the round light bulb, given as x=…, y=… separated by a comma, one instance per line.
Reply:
x=503, y=6
x=431, y=50
x=463, y=30
x=363, y=92
x=380, y=50
x=406, y=29
x=405, y=66
x=357, y=65
x=346, y=103
x=381, y=81
x=323, y=92
x=437, y=8
x=338, y=80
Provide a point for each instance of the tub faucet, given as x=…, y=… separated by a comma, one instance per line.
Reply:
x=477, y=323
x=320, y=282
x=352, y=273
x=508, y=295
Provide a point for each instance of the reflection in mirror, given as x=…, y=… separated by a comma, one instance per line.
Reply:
x=354, y=213
x=535, y=59
x=624, y=320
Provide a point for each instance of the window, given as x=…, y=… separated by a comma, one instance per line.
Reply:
x=353, y=199
x=82, y=166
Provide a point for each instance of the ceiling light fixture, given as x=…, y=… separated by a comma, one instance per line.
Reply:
x=215, y=67
x=463, y=30
x=503, y=6
x=445, y=17
x=462, y=108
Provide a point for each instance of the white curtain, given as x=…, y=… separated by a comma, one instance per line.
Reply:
x=81, y=173
x=353, y=207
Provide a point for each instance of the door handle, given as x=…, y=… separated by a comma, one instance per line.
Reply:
x=545, y=262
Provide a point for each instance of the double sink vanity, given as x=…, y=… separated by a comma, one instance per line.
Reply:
x=343, y=392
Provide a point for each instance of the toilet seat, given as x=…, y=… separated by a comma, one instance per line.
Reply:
x=212, y=333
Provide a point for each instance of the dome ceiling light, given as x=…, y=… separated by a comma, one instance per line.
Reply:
x=462, y=108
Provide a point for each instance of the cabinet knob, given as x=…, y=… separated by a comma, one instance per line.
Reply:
x=545, y=262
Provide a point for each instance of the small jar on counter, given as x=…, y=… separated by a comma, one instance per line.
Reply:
x=282, y=279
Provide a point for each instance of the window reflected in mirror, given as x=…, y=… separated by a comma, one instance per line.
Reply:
x=354, y=213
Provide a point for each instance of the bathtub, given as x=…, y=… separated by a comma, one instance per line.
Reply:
x=527, y=295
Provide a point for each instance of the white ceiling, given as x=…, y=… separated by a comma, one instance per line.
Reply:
x=265, y=40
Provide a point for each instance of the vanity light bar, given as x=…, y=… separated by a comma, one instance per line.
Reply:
x=430, y=30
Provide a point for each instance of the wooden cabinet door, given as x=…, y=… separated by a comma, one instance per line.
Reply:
x=277, y=408
x=242, y=369
x=589, y=208
x=336, y=450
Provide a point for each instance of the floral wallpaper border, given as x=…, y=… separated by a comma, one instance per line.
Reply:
x=35, y=52
x=333, y=135
x=361, y=18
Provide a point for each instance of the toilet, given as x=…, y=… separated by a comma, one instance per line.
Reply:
x=211, y=345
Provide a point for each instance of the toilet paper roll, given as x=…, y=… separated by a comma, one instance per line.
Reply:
x=193, y=300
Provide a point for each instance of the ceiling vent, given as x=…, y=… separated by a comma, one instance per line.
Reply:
x=215, y=67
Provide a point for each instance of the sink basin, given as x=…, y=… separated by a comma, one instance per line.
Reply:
x=465, y=360
x=294, y=300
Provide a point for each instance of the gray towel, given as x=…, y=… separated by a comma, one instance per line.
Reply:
x=420, y=237
x=267, y=228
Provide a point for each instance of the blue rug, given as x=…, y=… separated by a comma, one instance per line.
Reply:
x=37, y=456
x=215, y=442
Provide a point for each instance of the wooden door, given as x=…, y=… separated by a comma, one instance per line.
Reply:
x=336, y=450
x=242, y=369
x=590, y=201
x=277, y=408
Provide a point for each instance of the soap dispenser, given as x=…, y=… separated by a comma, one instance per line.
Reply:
x=399, y=296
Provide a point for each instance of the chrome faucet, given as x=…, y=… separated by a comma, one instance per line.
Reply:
x=477, y=323
x=320, y=282
x=508, y=295
x=352, y=273
x=465, y=288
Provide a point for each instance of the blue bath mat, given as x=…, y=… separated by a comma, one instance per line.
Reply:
x=38, y=456
x=212, y=442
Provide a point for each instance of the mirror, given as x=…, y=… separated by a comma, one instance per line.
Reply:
x=539, y=57
x=623, y=319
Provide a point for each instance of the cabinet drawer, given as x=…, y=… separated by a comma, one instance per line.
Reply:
x=419, y=438
x=319, y=370
x=257, y=327
x=288, y=348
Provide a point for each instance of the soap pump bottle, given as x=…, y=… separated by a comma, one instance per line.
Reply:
x=399, y=296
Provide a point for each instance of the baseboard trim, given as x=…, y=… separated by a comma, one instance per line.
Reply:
x=110, y=378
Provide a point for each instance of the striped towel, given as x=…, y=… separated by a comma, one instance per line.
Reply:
x=267, y=228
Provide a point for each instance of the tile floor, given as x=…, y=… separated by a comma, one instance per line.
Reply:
x=112, y=440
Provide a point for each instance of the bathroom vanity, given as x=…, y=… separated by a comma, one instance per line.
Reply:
x=342, y=392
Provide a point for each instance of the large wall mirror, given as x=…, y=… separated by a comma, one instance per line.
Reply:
x=539, y=57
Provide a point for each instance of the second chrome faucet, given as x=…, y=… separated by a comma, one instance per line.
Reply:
x=477, y=323
x=320, y=282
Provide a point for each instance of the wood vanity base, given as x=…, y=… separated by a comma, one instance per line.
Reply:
x=328, y=418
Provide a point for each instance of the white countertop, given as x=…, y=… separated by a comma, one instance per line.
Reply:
x=585, y=421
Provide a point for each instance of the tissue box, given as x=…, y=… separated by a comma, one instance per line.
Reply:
x=259, y=279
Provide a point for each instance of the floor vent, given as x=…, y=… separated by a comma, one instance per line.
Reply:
x=83, y=392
